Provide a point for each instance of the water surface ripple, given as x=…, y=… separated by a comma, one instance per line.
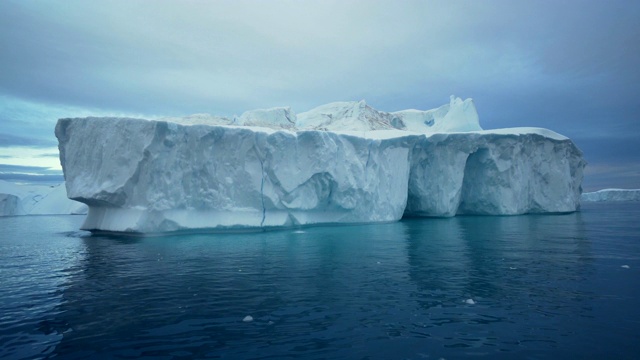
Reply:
x=534, y=286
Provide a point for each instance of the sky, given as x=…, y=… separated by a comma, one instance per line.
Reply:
x=569, y=66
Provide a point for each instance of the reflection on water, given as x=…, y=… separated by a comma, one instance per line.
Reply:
x=527, y=275
x=541, y=286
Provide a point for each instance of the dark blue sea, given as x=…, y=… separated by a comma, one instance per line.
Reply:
x=519, y=287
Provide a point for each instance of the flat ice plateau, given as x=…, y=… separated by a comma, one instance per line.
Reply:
x=36, y=200
x=343, y=162
x=612, y=195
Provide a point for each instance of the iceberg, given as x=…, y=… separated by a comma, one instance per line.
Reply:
x=18, y=199
x=339, y=163
x=612, y=195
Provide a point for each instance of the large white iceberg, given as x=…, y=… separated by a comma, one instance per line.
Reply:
x=339, y=163
x=612, y=195
x=18, y=199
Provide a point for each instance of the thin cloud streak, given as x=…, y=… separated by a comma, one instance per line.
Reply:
x=32, y=178
x=8, y=140
x=4, y=168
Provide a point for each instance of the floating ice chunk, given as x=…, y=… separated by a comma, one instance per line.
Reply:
x=612, y=195
x=470, y=302
x=625, y=266
x=248, y=318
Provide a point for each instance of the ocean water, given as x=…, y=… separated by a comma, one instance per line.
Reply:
x=533, y=286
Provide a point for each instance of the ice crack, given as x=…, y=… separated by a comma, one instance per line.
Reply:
x=264, y=209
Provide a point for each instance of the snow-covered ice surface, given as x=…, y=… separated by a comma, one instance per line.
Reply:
x=339, y=163
x=457, y=116
x=612, y=195
x=36, y=200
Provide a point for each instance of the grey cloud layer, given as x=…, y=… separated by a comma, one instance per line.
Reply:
x=5, y=168
x=570, y=66
x=9, y=140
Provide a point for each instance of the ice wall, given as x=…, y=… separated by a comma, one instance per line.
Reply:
x=152, y=176
x=504, y=172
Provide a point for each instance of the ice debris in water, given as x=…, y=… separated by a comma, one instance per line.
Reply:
x=612, y=195
x=470, y=302
x=625, y=266
x=248, y=318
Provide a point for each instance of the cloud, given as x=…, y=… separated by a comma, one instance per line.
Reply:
x=229, y=56
x=49, y=155
x=8, y=168
x=611, y=150
x=8, y=140
x=34, y=158
x=30, y=174
x=32, y=178
x=600, y=176
x=569, y=66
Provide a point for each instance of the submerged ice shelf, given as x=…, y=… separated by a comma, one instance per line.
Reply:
x=338, y=163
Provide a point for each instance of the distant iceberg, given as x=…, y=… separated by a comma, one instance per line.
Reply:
x=37, y=200
x=343, y=162
x=612, y=195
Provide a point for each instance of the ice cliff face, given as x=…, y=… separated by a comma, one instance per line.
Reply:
x=612, y=195
x=500, y=172
x=151, y=176
x=271, y=168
